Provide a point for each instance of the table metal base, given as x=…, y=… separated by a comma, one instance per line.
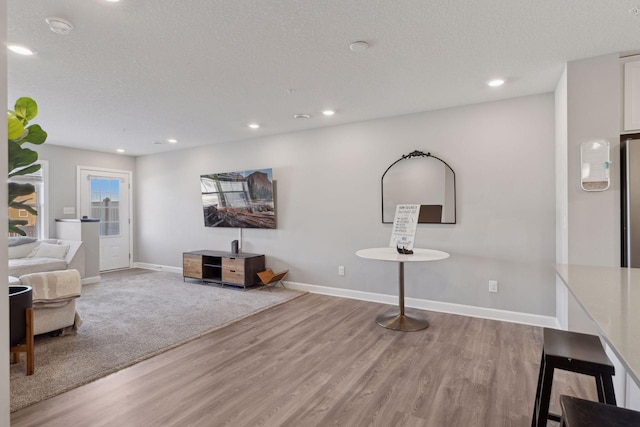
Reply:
x=401, y=322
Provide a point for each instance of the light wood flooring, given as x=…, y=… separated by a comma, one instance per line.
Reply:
x=322, y=361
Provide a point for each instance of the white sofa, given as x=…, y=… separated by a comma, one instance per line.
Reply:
x=51, y=255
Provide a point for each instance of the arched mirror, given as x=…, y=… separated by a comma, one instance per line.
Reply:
x=420, y=178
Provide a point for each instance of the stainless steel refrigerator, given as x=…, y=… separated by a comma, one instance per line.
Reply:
x=630, y=174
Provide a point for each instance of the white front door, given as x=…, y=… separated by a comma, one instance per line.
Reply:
x=105, y=195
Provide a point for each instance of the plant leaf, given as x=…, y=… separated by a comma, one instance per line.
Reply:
x=19, y=189
x=13, y=223
x=15, y=128
x=35, y=135
x=26, y=109
x=26, y=171
x=21, y=160
x=21, y=205
x=20, y=156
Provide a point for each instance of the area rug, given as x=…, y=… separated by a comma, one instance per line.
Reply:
x=129, y=317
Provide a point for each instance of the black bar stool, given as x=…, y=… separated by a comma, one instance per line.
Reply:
x=585, y=413
x=574, y=352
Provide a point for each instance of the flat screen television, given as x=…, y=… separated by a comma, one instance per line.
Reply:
x=242, y=199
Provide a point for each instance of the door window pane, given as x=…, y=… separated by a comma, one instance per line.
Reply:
x=105, y=204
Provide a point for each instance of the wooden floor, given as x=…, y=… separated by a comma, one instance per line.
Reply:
x=322, y=361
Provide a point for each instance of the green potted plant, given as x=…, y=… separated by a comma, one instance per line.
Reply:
x=21, y=159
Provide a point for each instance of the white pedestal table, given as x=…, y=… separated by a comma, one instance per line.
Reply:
x=401, y=321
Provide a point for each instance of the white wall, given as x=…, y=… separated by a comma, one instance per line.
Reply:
x=4, y=305
x=328, y=202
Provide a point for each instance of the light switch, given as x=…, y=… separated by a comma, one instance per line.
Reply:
x=69, y=210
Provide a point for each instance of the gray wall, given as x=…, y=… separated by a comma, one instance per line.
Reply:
x=328, y=202
x=63, y=163
x=594, y=111
x=562, y=198
x=594, y=103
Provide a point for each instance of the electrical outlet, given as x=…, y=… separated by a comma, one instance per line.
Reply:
x=493, y=286
x=341, y=270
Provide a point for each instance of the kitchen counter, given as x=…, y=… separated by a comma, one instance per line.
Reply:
x=611, y=298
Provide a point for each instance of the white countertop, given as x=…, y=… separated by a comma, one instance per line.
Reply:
x=611, y=298
x=391, y=254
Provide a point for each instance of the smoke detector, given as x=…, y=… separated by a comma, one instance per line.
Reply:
x=59, y=25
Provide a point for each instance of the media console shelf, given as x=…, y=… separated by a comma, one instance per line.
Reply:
x=225, y=268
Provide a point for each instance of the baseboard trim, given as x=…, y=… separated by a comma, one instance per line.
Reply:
x=423, y=304
x=90, y=280
x=157, y=267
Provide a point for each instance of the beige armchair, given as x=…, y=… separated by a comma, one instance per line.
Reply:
x=54, y=300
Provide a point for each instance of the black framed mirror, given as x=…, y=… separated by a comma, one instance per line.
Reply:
x=420, y=178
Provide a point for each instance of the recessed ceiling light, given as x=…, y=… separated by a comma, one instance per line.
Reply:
x=359, y=46
x=172, y=141
x=328, y=112
x=21, y=50
x=157, y=142
x=301, y=116
x=634, y=11
x=59, y=25
x=495, y=82
x=120, y=150
x=254, y=125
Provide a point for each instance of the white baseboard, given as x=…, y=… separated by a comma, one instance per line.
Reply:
x=423, y=304
x=157, y=267
x=90, y=280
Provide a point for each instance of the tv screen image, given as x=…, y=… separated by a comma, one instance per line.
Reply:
x=242, y=199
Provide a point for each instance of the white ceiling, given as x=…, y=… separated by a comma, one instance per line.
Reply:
x=139, y=71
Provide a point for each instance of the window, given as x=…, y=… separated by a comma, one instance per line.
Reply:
x=105, y=204
x=37, y=225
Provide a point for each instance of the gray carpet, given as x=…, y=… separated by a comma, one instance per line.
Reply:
x=129, y=317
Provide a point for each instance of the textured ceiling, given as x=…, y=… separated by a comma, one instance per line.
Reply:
x=139, y=71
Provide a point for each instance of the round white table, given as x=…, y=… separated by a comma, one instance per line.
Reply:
x=402, y=321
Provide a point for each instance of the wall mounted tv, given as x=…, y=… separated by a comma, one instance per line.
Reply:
x=241, y=199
